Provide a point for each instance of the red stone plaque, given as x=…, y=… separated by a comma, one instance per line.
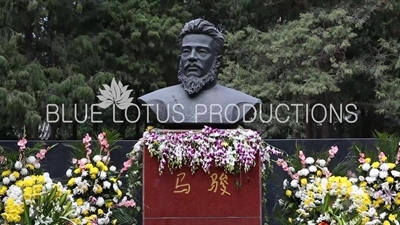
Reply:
x=200, y=199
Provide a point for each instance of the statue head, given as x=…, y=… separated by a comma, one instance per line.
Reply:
x=201, y=45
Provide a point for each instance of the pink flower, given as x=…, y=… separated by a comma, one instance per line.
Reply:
x=86, y=140
x=282, y=163
x=41, y=154
x=362, y=158
x=129, y=203
x=101, y=136
x=2, y=159
x=333, y=151
x=88, y=152
x=279, y=162
x=382, y=157
x=302, y=158
x=74, y=161
x=285, y=167
x=127, y=164
x=103, y=142
x=328, y=174
x=301, y=155
x=126, y=203
x=82, y=164
x=22, y=144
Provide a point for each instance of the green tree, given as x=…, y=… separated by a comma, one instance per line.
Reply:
x=319, y=58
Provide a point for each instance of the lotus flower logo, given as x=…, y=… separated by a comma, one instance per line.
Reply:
x=115, y=94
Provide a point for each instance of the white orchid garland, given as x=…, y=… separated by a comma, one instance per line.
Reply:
x=232, y=150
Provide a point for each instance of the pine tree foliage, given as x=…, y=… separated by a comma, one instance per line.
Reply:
x=282, y=51
x=327, y=55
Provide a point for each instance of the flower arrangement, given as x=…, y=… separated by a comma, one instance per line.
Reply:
x=380, y=176
x=28, y=195
x=96, y=184
x=53, y=206
x=315, y=195
x=232, y=150
x=134, y=179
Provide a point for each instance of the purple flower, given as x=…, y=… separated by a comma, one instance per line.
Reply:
x=229, y=149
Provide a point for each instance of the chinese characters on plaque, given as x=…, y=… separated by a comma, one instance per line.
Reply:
x=218, y=183
x=180, y=186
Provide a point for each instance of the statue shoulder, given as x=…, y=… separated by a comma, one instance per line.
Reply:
x=163, y=95
x=238, y=96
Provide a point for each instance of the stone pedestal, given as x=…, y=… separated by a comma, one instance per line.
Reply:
x=200, y=199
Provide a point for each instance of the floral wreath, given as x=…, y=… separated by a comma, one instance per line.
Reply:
x=233, y=150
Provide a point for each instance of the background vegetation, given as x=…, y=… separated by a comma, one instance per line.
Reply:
x=286, y=51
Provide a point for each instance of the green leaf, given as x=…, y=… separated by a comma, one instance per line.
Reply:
x=27, y=220
x=78, y=150
x=123, y=215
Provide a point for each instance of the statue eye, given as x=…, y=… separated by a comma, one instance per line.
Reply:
x=203, y=52
x=185, y=51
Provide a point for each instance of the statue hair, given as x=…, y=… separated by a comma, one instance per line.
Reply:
x=201, y=26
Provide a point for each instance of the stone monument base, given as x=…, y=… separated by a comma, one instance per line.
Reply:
x=200, y=199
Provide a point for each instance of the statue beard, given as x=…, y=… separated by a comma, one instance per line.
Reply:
x=193, y=84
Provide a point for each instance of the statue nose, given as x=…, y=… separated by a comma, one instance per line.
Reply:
x=192, y=56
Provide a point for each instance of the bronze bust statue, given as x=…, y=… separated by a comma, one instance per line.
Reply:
x=199, y=100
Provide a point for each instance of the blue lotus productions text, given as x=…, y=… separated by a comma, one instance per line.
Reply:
x=266, y=113
x=281, y=113
x=316, y=113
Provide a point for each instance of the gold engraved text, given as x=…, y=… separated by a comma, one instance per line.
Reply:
x=221, y=182
x=179, y=186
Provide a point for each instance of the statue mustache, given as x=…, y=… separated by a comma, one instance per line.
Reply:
x=187, y=65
